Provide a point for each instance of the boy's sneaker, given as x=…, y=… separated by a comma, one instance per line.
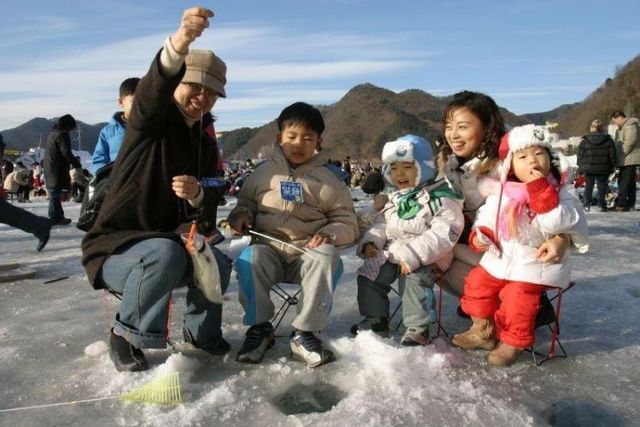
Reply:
x=219, y=348
x=259, y=338
x=308, y=348
x=416, y=336
x=125, y=356
x=379, y=325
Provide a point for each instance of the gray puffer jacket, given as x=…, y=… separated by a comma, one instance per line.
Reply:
x=327, y=207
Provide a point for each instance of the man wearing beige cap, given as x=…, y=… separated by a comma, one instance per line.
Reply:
x=159, y=182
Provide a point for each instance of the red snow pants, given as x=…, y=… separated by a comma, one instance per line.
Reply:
x=513, y=305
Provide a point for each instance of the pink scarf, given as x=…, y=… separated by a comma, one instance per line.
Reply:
x=516, y=210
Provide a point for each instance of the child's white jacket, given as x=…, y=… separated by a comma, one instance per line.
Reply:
x=426, y=239
x=517, y=260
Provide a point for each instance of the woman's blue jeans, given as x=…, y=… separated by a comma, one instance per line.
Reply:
x=145, y=273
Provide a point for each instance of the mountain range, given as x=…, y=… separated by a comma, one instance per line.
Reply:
x=361, y=122
x=368, y=116
x=34, y=134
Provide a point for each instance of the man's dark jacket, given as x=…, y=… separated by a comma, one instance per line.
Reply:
x=58, y=159
x=141, y=204
x=596, y=154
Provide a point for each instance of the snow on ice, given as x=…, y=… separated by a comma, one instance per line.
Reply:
x=53, y=349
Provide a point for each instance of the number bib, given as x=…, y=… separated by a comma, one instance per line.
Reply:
x=212, y=181
x=291, y=191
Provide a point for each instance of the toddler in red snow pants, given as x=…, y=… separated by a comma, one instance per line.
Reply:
x=513, y=305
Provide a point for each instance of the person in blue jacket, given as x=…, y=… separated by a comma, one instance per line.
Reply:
x=112, y=134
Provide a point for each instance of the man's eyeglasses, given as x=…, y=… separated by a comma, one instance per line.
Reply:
x=195, y=87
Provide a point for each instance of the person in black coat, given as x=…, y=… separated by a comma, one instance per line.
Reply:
x=596, y=160
x=57, y=162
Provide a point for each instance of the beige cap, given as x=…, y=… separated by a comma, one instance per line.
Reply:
x=205, y=68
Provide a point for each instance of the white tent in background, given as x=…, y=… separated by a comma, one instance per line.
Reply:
x=37, y=155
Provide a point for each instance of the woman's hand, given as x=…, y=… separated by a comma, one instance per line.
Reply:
x=553, y=250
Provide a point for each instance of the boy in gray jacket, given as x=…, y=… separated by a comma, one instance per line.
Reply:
x=412, y=241
x=294, y=198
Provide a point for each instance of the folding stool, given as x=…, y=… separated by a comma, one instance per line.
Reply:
x=289, y=299
x=549, y=316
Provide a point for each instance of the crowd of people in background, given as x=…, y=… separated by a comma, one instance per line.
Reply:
x=603, y=166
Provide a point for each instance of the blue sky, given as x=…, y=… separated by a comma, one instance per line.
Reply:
x=70, y=56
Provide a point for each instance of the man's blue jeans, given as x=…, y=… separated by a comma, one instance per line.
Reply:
x=145, y=273
x=55, y=205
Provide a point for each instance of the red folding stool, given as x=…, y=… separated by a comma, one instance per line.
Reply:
x=549, y=316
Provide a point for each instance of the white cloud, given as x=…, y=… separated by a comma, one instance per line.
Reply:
x=34, y=29
x=277, y=98
x=85, y=83
x=253, y=71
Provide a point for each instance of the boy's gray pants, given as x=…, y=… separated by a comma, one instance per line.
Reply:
x=418, y=300
x=260, y=267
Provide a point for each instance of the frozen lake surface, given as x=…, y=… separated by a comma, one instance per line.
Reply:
x=53, y=349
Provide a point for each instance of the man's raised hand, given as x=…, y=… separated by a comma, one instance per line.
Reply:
x=193, y=23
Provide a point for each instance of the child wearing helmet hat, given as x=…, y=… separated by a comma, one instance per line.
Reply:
x=411, y=241
x=531, y=202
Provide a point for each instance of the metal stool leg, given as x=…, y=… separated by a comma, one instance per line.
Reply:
x=441, y=328
x=288, y=300
x=554, y=328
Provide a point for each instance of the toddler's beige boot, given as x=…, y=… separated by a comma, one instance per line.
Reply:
x=481, y=335
x=504, y=354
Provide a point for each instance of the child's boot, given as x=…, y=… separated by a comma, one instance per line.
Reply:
x=481, y=335
x=504, y=354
